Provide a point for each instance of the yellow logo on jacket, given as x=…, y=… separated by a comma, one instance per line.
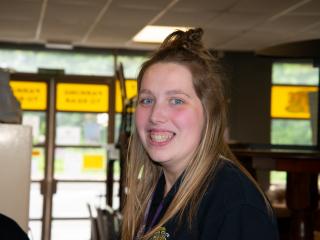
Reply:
x=161, y=234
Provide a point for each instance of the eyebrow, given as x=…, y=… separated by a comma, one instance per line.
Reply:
x=145, y=91
x=170, y=92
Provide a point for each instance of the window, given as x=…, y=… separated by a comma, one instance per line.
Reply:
x=294, y=104
x=294, y=101
x=131, y=64
x=81, y=130
x=77, y=63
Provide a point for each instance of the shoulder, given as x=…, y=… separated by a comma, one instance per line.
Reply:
x=233, y=203
x=231, y=208
x=231, y=187
x=6, y=222
x=9, y=229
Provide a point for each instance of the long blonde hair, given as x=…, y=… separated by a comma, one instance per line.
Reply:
x=142, y=173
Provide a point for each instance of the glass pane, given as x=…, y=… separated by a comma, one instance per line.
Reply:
x=117, y=126
x=296, y=102
x=292, y=132
x=81, y=128
x=116, y=170
x=116, y=198
x=278, y=178
x=36, y=202
x=80, y=163
x=295, y=74
x=131, y=65
x=37, y=120
x=72, y=62
x=70, y=230
x=277, y=190
x=71, y=198
x=35, y=230
x=37, y=164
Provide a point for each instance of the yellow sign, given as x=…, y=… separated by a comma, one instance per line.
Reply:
x=93, y=162
x=132, y=89
x=82, y=97
x=31, y=95
x=35, y=153
x=291, y=101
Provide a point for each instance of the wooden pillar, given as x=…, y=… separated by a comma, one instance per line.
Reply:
x=302, y=200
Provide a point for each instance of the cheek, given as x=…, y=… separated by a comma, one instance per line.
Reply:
x=191, y=120
x=141, y=118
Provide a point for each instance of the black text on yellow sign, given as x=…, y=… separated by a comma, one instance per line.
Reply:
x=82, y=97
x=31, y=95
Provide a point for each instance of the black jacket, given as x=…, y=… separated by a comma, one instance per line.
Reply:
x=10, y=230
x=232, y=208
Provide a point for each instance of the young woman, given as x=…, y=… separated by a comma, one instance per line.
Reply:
x=182, y=180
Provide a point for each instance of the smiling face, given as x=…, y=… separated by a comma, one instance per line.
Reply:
x=169, y=115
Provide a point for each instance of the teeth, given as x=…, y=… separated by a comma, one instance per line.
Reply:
x=160, y=137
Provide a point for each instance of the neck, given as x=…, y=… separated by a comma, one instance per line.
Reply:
x=170, y=178
x=172, y=172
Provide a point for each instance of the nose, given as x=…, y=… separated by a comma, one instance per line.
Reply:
x=158, y=114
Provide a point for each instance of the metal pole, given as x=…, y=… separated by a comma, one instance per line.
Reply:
x=48, y=184
x=316, y=63
x=110, y=140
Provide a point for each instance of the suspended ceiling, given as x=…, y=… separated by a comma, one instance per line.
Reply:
x=244, y=25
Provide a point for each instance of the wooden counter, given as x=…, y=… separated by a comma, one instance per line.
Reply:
x=302, y=167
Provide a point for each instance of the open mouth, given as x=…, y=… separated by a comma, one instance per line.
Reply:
x=161, y=136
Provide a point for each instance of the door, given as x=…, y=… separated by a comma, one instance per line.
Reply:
x=71, y=137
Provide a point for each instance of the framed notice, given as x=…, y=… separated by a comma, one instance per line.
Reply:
x=82, y=97
x=31, y=95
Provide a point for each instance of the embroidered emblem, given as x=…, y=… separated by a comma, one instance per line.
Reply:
x=161, y=234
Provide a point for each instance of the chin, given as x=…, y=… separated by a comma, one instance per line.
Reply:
x=157, y=159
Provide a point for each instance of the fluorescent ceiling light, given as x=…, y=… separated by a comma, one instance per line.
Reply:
x=59, y=45
x=156, y=34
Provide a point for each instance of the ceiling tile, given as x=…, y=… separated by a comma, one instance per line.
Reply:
x=22, y=10
x=253, y=40
x=125, y=27
x=13, y=29
x=213, y=38
x=228, y=24
x=112, y=34
x=143, y=4
x=310, y=8
x=236, y=21
x=263, y=6
x=191, y=19
x=73, y=20
x=121, y=16
x=203, y=5
x=289, y=24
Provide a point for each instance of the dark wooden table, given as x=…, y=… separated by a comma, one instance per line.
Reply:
x=302, y=167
